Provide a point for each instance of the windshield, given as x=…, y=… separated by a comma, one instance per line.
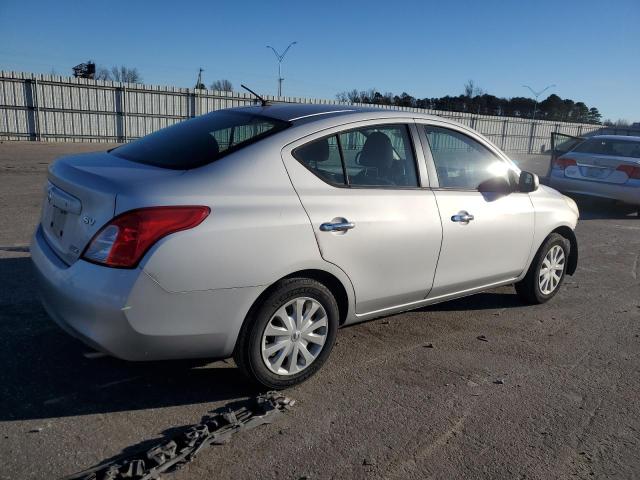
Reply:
x=200, y=140
x=608, y=146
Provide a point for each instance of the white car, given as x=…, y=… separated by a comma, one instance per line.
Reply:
x=257, y=232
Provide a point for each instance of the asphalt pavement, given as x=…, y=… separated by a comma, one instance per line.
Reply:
x=481, y=387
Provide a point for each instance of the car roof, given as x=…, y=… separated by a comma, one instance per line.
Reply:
x=628, y=138
x=301, y=112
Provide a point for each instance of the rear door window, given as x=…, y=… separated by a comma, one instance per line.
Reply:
x=375, y=156
x=379, y=156
x=199, y=141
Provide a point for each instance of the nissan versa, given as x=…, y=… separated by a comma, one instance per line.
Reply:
x=256, y=232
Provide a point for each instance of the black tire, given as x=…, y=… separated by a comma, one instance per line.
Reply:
x=248, y=350
x=528, y=288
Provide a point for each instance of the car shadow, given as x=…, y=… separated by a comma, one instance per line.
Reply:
x=490, y=300
x=603, y=209
x=45, y=372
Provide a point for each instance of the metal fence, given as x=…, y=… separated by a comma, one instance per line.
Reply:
x=56, y=108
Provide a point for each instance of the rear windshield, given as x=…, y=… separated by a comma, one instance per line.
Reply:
x=608, y=146
x=199, y=141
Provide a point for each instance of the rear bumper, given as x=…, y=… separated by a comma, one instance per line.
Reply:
x=126, y=314
x=628, y=193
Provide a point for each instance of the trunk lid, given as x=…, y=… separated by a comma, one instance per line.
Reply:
x=80, y=197
x=599, y=168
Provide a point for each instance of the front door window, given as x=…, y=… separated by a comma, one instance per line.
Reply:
x=461, y=162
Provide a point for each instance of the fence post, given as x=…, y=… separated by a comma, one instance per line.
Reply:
x=125, y=111
x=504, y=133
x=33, y=113
x=121, y=114
x=193, y=103
x=36, y=102
x=532, y=136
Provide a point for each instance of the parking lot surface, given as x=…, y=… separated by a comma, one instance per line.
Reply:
x=549, y=391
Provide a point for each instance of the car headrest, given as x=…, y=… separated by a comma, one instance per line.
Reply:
x=377, y=151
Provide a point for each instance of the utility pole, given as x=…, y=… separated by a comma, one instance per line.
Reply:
x=537, y=94
x=199, y=81
x=280, y=57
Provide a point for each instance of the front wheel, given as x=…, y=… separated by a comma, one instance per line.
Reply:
x=546, y=272
x=287, y=338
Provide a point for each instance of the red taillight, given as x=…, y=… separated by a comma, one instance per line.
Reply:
x=564, y=162
x=630, y=170
x=124, y=240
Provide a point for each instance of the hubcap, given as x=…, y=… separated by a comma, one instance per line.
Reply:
x=294, y=336
x=551, y=270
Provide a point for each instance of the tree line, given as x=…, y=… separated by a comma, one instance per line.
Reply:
x=475, y=100
x=472, y=100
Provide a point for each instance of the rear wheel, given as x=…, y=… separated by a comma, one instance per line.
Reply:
x=546, y=272
x=287, y=338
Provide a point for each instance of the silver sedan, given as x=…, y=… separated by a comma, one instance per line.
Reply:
x=606, y=166
x=257, y=232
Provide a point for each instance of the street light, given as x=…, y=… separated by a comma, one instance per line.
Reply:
x=280, y=57
x=537, y=94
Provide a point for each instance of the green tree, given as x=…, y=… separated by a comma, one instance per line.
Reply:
x=568, y=112
x=552, y=107
x=581, y=112
x=594, y=116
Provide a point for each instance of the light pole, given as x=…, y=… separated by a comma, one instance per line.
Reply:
x=280, y=57
x=537, y=94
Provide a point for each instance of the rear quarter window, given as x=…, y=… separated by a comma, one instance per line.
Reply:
x=322, y=157
x=199, y=141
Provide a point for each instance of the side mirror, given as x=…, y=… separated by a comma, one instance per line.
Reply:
x=528, y=182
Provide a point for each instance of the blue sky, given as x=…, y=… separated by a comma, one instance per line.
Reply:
x=588, y=48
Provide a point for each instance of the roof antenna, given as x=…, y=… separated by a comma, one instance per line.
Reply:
x=263, y=102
